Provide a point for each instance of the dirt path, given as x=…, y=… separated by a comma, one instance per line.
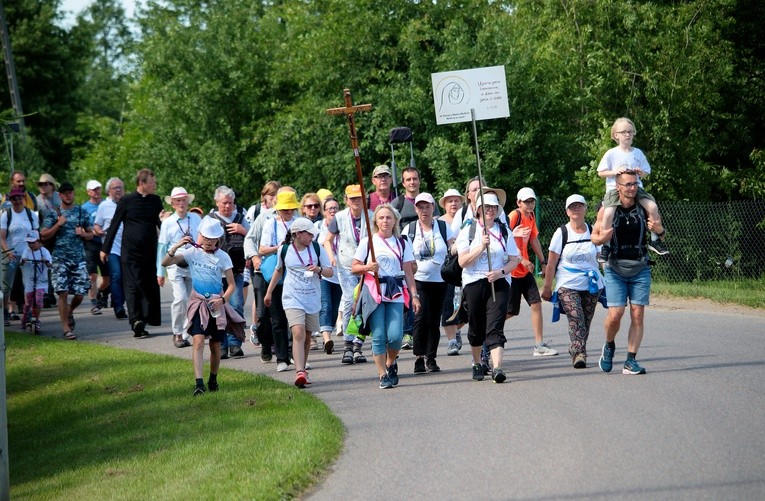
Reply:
x=702, y=304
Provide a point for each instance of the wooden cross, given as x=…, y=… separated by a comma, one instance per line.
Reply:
x=349, y=110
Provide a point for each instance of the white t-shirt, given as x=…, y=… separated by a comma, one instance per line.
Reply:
x=458, y=222
x=16, y=234
x=280, y=227
x=323, y=233
x=31, y=280
x=104, y=215
x=501, y=250
x=299, y=291
x=579, y=254
x=207, y=270
x=429, y=249
x=172, y=231
x=616, y=158
x=390, y=254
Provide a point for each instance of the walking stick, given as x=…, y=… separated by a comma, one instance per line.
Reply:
x=480, y=193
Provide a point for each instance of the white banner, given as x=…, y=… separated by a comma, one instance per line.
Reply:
x=484, y=90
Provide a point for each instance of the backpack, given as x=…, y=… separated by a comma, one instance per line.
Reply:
x=232, y=244
x=9, y=215
x=451, y=271
x=518, y=222
x=412, y=228
x=620, y=251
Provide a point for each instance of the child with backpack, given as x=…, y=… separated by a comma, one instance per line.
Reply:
x=35, y=262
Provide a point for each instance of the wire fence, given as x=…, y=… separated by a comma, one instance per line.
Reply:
x=707, y=240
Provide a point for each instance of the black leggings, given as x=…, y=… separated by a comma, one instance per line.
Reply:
x=486, y=317
x=426, y=322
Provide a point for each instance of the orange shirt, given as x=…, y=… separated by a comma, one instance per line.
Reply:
x=523, y=243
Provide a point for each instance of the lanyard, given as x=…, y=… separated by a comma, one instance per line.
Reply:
x=187, y=232
x=498, y=238
x=400, y=255
x=297, y=253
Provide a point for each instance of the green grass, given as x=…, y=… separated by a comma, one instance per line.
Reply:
x=748, y=292
x=92, y=422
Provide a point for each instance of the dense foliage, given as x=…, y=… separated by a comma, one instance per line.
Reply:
x=235, y=92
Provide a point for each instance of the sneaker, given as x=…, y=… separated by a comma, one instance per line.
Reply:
x=393, y=374
x=477, y=372
x=199, y=390
x=485, y=369
x=95, y=310
x=37, y=327
x=432, y=365
x=580, y=361
x=385, y=382
x=179, y=342
x=632, y=367
x=499, y=376
x=254, y=335
x=542, y=350
x=282, y=367
x=406, y=342
x=212, y=385
x=605, y=252
x=658, y=247
x=138, y=326
x=419, y=366
x=314, y=345
x=235, y=351
x=15, y=316
x=458, y=338
x=606, y=361
x=453, y=350
x=120, y=314
x=300, y=379
x=266, y=356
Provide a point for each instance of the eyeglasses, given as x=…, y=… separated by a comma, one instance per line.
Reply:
x=628, y=185
x=16, y=199
x=311, y=206
x=332, y=209
x=625, y=132
x=119, y=187
x=490, y=208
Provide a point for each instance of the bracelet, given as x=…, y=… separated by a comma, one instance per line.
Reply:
x=664, y=232
x=320, y=270
x=223, y=298
x=171, y=255
x=416, y=295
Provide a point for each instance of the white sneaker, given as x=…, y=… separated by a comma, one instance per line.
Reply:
x=282, y=367
x=542, y=350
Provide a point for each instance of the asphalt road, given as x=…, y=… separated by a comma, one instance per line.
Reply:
x=693, y=427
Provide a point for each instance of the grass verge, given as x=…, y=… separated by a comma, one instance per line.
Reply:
x=92, y=422
x=747, y=292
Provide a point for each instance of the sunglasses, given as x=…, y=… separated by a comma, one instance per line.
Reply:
x=311, y=206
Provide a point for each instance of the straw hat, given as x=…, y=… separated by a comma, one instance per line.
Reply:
x=451, y=192
x=179, y=192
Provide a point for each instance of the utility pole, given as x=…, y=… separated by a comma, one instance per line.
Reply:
x=10, y=71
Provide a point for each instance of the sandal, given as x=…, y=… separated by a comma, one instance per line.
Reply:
x=69, y=335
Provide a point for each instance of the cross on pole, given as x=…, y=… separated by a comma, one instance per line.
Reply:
x=349, y=110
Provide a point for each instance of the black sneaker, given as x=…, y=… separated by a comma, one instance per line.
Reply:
x=485, y=369
x=120, y=314
x=477, y=372
x=499, y=376
x=199, y=390
x=236, y=351
x=212, y=385
x=658, y=247
x=605, y=251
x=419, y=366
x=265, y=355
x=393, y=373
x=432, y=365
x=138, y=328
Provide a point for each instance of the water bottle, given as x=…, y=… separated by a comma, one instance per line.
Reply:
x=214, y=312
x=457, y=298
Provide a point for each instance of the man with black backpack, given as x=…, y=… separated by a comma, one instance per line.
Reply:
x=235, y=227
x=627, y=274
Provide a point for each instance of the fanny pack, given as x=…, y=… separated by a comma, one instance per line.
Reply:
x=627, y=268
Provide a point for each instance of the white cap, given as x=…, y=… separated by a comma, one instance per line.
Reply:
x=424, y=197
x=575, y=199
x=179, y=192
x=525, y=194
x=93, y=184
x=210, y=228
x=33, y=236
x=488, y=199
x=304, y=224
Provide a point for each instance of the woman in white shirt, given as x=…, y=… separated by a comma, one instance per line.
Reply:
x=486, y=315
x=431, y=240
x=393, y=265
x=578, y=282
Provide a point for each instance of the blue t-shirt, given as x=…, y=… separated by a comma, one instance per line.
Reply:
x=91, y=209
x=207, y=270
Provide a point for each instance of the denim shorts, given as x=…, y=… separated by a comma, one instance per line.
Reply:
x=618, y=288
